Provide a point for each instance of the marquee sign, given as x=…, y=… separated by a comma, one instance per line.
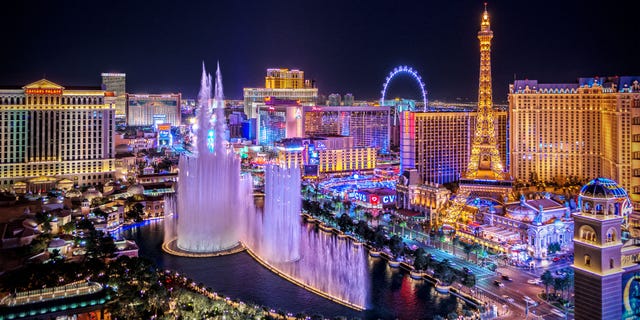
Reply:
x=43, y=91
x=373, y=199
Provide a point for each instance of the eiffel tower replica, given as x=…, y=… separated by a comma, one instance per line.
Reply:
x=485, y=176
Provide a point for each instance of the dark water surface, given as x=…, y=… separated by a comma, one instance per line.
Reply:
x=394, y=295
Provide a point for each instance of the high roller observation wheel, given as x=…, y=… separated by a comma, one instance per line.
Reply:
x=405, y=70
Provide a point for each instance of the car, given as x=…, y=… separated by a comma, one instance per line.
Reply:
x=534, y=281
x=506, y=297
x=506, y=278
x=530, y=301
x=498, y=283
x=467, y=270
x=555, y=259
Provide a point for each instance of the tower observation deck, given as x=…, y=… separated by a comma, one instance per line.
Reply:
x=485, y=175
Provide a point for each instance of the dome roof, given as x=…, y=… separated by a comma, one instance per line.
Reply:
x=92, y=193
x=123, y=148
x=603, y=188
x=521, y=212
x=57, y=243
x=136, y=189
x=73, y=193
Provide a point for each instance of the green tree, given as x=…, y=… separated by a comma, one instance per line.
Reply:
x=547, y=280
x=55, y=255
x=420, y=260
x=100, y=245
x=69, y=227
x=396, y=246
x=136, y=212
x=553, y=247
x=467, y=249
x=85, y=224
x=469, y=280
x=455, y=241
x=476, y=248
x=100, y=213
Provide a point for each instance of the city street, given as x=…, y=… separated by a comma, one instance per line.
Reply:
x=517, y=289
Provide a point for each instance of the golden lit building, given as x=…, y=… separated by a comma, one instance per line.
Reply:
x=326, y=155
x=284, y=79
x=153, y=109
x=49, y=132
x=438, y=143
x=281, y=84
x=583, y=130
x=368, y=125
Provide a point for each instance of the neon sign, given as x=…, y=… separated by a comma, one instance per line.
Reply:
x=388, y=199
x=43, y=91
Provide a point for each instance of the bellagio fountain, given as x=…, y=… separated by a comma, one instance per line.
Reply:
x=213, y=213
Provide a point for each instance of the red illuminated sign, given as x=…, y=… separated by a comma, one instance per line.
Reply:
x=43, y=91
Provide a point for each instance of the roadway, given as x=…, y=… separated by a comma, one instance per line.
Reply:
x=517, y=289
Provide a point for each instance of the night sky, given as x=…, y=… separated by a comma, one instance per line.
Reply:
x=346, y=46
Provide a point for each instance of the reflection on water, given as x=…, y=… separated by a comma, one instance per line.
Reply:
x=393, y=294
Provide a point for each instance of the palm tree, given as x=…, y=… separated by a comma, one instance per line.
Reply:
x=455, y=241
x=467, y=248
x=547, y=280
x=476, y=247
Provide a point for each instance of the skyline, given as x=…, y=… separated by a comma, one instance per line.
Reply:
x=162, y=49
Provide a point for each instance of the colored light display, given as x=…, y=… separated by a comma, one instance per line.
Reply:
x=404, y=70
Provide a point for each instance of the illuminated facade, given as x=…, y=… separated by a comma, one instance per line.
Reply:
x=583, y=130
x=438, y=143
x=117, y=83
x=606, y=258
x=368, y=125
x=484, y=175
x=152, y=109
x=278, y=121
x=326, y=155
x=282, y=84
x=49, y=132
x=278, y=78
x=412, y=194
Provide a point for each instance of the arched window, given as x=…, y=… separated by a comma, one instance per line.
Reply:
x=598, y=208
x=612, y=235
x=587, y=233
x=587, y=260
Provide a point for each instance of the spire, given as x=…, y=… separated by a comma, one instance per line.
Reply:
x=485, y=26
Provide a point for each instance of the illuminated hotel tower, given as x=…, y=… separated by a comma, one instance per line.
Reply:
x=577, y=131
x=52, y=135
x=485, y=175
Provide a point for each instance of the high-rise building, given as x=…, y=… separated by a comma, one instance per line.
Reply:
x=278, y=120
x=348, y=99
x=438, y=143
x=278, y=78
x=582, y=130
x=117, y=83
x=326, y=155
x=282, y=84
x=152, y=109
x=334, y=99
x=368, y=125
x=50, y=133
